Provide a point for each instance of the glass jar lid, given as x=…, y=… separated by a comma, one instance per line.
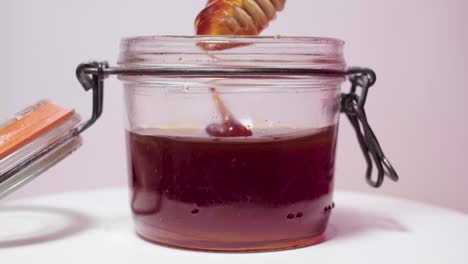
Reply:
x=33, y=140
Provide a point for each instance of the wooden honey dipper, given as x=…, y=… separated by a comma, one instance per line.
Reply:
x=236, y=17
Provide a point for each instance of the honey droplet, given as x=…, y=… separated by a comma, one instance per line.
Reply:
x=230, y=126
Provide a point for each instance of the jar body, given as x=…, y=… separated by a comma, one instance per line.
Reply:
x=270, y=190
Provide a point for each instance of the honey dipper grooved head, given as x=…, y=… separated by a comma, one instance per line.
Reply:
x=237, y=17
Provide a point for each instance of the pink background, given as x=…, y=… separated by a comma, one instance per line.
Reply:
x=418, y=107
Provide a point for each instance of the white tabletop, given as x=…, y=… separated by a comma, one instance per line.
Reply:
x=96, y=227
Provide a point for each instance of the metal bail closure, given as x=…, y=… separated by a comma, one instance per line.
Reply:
x=352, y=104
x=91, y=76
x=92, y=81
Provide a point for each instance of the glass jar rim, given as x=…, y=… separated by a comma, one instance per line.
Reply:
x=237, y=51
x=237, y=38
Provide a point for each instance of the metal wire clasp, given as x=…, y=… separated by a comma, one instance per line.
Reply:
x=92, y=81
x=352, y=104
x=91, y=76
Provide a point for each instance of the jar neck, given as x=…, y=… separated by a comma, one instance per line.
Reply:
x=261, y=52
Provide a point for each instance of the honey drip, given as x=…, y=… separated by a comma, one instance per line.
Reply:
x=233, y=17
x=230, y=126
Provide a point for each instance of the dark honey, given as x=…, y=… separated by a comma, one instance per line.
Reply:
x=266, y=191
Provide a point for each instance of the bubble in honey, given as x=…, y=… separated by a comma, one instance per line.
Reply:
x=235, y=17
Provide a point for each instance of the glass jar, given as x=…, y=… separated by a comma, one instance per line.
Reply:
x=231, y=149
x=270, y=190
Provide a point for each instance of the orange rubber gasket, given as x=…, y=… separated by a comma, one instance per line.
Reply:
x=41, y=120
